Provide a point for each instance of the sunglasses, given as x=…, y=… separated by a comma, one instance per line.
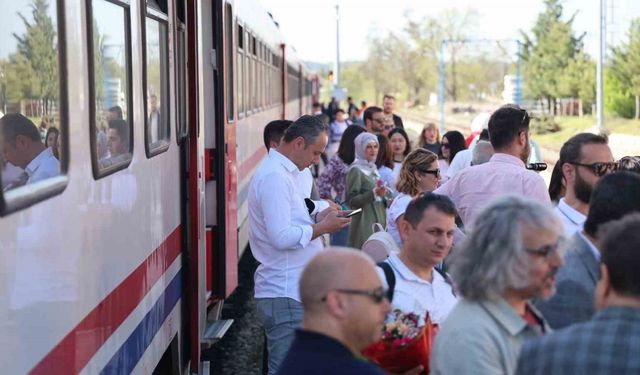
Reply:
x=377, y=295
x=599, y=169
x=444, y=145
x=389, y=127
x=435, y=172
x=547, y=250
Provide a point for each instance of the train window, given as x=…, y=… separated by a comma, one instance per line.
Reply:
x=254, y=72
x=229, y=63
x=156, y=82
x=33, y=122
x=110, y=89
x=240, y=74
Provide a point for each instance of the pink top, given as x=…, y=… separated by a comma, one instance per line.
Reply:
x=475, y=187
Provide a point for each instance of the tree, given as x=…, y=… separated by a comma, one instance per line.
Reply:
x=625, y=64
x=36, y=58
x=578, y=80
x=548, y=53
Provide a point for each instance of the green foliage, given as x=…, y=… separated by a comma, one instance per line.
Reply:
x=625, y=67
x=32, y=71
x=553, y=57
x=544, y=125
x=617, y=98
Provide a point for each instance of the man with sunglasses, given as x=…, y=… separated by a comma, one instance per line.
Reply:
x=615, y=196
x=345, y=306
x=374, y=120
x=473, y=188
x=584, y=159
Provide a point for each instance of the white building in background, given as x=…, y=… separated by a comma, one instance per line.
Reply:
x=113, y=94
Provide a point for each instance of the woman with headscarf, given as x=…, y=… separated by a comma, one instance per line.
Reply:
x=365, y=190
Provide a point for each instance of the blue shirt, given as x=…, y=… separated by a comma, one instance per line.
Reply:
x=313, y=353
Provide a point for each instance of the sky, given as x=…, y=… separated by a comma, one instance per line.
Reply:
x=310, y=25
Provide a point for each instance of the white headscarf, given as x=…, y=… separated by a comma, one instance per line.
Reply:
x=367, y=167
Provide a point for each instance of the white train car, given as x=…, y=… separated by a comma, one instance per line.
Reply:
x=120, y=261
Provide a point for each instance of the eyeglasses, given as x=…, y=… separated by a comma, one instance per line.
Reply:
x=377, y=295
x=547, y=250
x=444, y=145
x=524, y=117
x=435, y=172
x=389, y=127
x=599, y=169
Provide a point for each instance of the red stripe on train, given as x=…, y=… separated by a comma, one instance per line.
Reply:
x=75, y=350
x=249, y=164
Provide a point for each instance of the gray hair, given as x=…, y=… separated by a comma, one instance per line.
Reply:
x=492, y=258
x=308, y=127
x=482, y=152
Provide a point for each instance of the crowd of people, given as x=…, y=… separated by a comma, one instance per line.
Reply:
x=482, y=248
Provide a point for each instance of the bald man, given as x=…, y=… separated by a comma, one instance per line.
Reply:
x=344, y=309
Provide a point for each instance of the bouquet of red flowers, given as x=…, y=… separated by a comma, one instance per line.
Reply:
x=404, y=344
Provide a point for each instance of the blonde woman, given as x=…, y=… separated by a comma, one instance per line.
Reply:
x=419, y=174
x=430, y=138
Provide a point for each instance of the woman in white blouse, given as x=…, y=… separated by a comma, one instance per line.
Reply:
x=419, y=174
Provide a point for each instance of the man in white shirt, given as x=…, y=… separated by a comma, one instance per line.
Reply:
x=584, y=159
x=415, y=285
x=615, y=196
x=21, y=146
x=283, y=235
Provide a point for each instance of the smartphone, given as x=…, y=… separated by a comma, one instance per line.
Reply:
x=353, y=213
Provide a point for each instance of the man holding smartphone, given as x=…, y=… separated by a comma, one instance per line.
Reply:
x=283, y=235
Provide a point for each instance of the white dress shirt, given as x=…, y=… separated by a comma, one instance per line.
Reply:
x=397, y=209
x=279, y=228
x=572, y=219
x=413, y=294
x=43, y=166
x=461, y=161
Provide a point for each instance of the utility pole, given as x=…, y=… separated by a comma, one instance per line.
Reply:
x=599, y=67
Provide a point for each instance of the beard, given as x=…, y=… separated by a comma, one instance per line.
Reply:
x=526, y=152
x=582, y=189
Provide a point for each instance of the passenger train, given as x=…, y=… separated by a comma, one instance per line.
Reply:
x=122, y=261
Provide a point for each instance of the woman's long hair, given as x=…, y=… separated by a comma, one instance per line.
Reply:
x=347, y=148
x=416, y=160
x=385, y=156
x=430, y=125
x=456, y=144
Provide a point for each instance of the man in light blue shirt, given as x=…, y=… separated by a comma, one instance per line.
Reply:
x=283, y=235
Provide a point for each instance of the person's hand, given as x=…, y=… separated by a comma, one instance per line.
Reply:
x=414, y=371
x=331, y=220
x=333, y=204
x=380, y=191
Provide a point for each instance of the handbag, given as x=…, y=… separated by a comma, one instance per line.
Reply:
x=379, y=244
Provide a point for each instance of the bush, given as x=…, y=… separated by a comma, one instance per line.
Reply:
x=617, y=100
x=543, y=125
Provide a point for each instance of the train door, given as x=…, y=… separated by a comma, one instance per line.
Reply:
x=220, y=150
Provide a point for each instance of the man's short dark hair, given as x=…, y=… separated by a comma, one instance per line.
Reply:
x=615, y=195
x=274, y=131
x=117, y=111
x=621, y=255
x=484, y=135
x=505, y=124
x=571, y=151
x=308, y=127
x=340, y=110
x=417, y=207
x=388, y=96
x=368, y=113
x=122, y=128
x=14, y=124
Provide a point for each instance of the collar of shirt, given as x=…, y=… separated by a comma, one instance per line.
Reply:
x=408, y=275
x=572, y=214
x=506, y=158
x=592, y=247
x=285, y=161
x=504, y=314
x=33, y=166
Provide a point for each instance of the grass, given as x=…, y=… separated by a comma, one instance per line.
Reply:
x=573, y=125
